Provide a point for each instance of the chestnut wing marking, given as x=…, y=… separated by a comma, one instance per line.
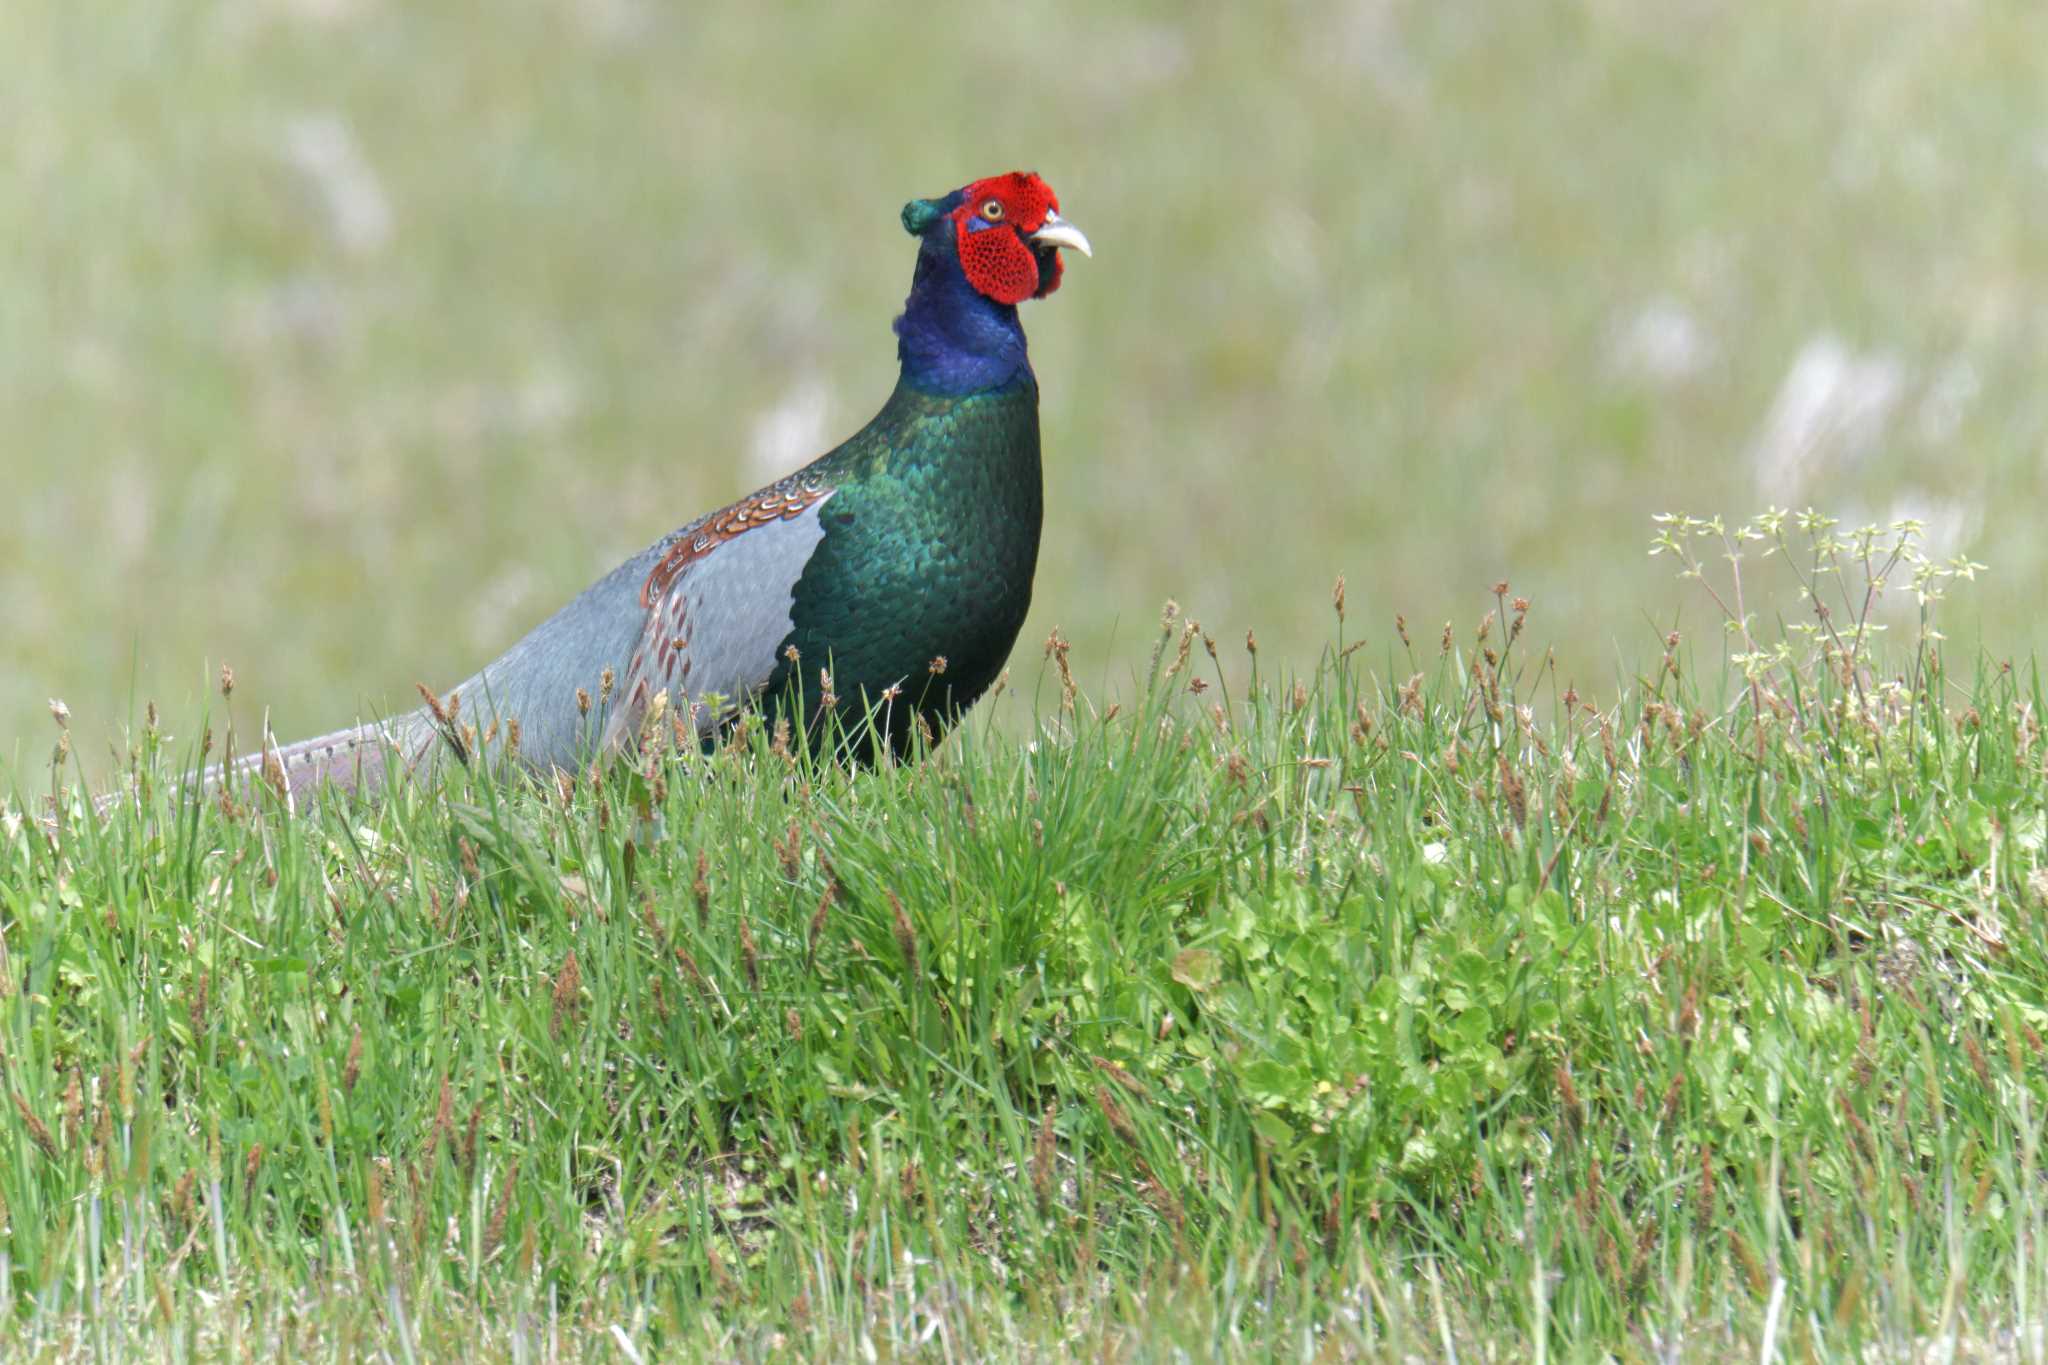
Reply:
x=719, y=618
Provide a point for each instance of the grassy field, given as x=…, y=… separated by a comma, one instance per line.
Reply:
x=1312, y=1001
x=1410, y=1005
x=344, y=339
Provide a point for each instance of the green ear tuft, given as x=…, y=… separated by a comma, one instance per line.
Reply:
x=919, y=215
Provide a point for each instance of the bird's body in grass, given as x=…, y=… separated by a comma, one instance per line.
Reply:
x=888, y=578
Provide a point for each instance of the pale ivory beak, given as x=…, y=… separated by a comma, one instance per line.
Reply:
x=1057, y=231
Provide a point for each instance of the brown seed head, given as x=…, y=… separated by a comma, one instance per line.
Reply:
x=250, y=1165
x=1361, y=725
x=817, y=926
x=1566, y=1090
x=750, y=956
x=651, y=921
x=273, y=774
x=689, y=966
x=1056, y=649
x=1189, y=629
x=906, y=936
x=790, y=851
x=352, y=1068
x=181, y=1196
x=195, y=1014
x=1514, y=794
x=1977, y=1062
x=1043, y=1152
x=1410, y=695
x=443, y=1124
x=1113, y=1110
x=494, y=1231
x=568, y=982
x=38, y=1131
x=1163, y=1200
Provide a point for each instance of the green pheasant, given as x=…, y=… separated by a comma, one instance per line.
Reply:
x=886, y=580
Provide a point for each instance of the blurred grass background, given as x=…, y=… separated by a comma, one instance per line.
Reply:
x=345, y=339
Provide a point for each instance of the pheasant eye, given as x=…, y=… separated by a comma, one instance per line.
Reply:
x=993, y=210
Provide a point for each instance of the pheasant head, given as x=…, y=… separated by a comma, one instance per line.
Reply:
x=1006, y=232
x=984, y=248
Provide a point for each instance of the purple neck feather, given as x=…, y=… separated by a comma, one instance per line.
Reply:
x=952, y=339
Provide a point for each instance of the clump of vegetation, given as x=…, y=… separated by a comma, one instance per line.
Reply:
x=1842, y=580
x=1417, y=1002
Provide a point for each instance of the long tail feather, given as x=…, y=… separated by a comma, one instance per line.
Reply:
x=362, y=759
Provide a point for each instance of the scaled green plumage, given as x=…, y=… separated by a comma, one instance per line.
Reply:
x=923, y=578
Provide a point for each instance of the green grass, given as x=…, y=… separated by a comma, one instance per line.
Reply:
x=1363, y=1012
x=1431, y=294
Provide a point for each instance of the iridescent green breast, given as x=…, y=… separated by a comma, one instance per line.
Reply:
x=923, y=577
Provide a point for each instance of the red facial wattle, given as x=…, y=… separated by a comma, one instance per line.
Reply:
x=995, y=255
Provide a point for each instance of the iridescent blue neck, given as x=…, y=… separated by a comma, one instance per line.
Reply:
x=952, y=339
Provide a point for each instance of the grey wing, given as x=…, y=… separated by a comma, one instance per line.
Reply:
x=536, y=682
x=710, y=639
